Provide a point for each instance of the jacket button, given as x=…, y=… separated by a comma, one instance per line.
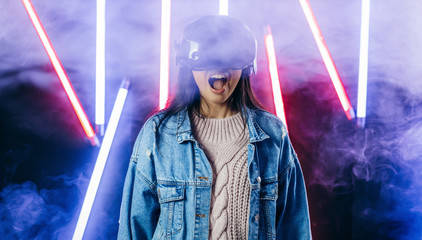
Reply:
x=257, y=218
x=258, y=179
x=201, y=215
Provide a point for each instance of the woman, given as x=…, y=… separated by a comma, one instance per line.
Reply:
x=214, y=164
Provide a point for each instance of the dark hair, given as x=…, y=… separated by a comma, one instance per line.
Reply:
x=187, y=96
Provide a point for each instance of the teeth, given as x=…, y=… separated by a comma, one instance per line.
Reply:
x=218, y=76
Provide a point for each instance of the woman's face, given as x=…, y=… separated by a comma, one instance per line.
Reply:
x=216, y=86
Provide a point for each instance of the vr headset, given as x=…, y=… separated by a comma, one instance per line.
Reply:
x=217, y=42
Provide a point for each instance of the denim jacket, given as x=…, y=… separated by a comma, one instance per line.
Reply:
x=167, y=190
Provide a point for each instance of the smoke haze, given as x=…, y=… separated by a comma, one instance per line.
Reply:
x=362, y=183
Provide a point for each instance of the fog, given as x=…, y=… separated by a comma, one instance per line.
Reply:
x=363, y=183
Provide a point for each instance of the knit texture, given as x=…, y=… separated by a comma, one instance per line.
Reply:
x=224, y=142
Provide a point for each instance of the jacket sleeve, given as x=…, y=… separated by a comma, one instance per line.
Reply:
x=140, y=207
x=292, y=217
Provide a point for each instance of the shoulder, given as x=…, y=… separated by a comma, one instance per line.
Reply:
x=151, y=123
x=158, y=122
x=269, y=123
x=148, y=134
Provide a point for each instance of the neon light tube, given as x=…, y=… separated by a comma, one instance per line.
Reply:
x=275, y=79
x=100, y=68
x=101, y=161
x=165, y=52
x=363, y=63
x=328, y=61
x=224, y=7
x=64, y=79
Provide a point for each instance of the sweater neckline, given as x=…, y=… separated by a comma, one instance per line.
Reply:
x=218, y=130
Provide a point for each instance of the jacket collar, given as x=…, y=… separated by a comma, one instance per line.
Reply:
x=184, y=128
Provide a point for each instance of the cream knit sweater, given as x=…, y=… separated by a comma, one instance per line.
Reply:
x=225, y=146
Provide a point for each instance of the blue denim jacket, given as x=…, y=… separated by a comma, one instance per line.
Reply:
x=167, y=189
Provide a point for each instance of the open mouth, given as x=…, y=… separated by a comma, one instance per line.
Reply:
x=218, y=81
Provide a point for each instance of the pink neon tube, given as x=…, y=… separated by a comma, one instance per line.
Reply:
x=275, y=79
x=328, y=60
x=61, y=73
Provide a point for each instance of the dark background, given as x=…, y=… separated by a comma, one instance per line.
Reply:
x=362, y=183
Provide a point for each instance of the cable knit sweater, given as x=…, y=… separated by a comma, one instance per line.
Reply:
x=224, y=142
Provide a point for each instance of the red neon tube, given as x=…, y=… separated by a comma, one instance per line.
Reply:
x=275, y=79
x=64, y=79
x=328, y=60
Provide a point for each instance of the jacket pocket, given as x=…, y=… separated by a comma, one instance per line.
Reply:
x=267, y=210
x=171, y=209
